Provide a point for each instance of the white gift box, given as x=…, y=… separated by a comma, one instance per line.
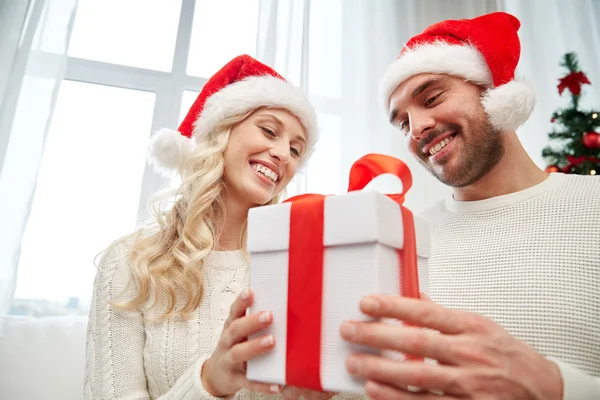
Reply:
x=362, y=235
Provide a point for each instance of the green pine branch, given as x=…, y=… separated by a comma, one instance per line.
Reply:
x=560, y=135
x=570, y=62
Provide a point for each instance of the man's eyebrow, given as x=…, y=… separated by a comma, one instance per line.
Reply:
x=433, y=81
x=417, y=91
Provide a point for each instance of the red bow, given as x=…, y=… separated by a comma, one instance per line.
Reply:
x=305, y=269
x=573, y=82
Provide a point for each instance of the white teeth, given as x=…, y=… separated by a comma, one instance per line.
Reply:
x=439, y=146
x=269, y=173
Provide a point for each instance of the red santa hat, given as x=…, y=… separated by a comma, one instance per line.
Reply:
x=243, y=84
x=483, y=50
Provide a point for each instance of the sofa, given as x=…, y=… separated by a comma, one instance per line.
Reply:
x=42, y=358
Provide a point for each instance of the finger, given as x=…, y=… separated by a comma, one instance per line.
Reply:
x=320, y=395
x=402, y=374
x=247, y=350
x=420, y=313
x=239, y=306
x=240, y=328
x=259, y=387
x=379, y=391
x=291, y=392
x=308, y=394
x=424, y=297
x=409, y=340
x=314, y=395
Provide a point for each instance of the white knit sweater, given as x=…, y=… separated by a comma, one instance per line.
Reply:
x=531, y=262
x=129, y=358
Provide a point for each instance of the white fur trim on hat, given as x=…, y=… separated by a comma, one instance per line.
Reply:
x=437, y=58
x=508, y=106
x=168, y=150
x=255, y=92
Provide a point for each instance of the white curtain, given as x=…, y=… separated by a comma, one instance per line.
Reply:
x=371, y=35
x=12, y=16
x=282, y=44
x=32, y=64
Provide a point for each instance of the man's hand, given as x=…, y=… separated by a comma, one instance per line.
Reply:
x=476, y=357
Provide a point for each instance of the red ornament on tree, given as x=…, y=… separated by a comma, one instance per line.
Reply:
x=591, y=140
x=552, y=168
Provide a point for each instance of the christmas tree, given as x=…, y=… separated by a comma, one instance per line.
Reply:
x=574, y=130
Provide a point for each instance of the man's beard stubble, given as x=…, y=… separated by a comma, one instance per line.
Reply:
x=481, y=151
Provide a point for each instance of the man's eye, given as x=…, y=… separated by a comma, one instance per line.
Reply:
x=431, y=100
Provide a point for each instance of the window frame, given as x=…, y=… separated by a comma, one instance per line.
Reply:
x=169, y=88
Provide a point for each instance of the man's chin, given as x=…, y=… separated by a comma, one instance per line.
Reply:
x=447, y=174
x=450, y=177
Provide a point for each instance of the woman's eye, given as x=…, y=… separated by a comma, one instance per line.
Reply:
x=268, y=131
x=295, y=152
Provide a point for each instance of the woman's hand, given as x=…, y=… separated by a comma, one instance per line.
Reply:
x=294, y=393
x=224, y=373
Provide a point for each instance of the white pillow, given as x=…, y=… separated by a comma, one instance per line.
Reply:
x=42, y=358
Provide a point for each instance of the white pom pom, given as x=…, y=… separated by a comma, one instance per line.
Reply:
x=509, y=105
x=168, y=150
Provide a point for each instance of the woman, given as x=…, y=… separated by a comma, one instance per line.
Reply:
x=168, y=313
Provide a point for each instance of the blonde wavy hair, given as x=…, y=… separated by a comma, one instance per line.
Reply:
x=169, y=254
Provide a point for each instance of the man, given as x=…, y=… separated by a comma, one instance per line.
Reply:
x=515, y=267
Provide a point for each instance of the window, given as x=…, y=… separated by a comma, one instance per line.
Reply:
x=186, y=102
x=222, y=30
x=136, y=33
x=128, y=74
x=84, y=197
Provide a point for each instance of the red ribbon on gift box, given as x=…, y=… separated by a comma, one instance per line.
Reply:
x=305, y=282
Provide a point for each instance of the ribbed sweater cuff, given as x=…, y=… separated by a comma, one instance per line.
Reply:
x=577, y=385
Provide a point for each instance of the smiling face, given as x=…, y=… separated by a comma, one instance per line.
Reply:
x=262, y=155
x=446, y=127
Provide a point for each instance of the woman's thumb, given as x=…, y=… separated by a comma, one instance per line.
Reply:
x=425, y=297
